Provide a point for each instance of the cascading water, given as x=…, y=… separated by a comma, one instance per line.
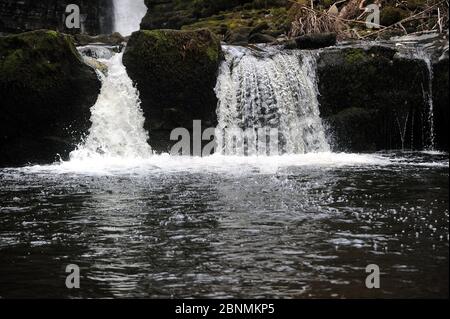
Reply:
x=418, y=48
x=128, y=15
x=117, y=129
x=270, y=90
x=421, y=54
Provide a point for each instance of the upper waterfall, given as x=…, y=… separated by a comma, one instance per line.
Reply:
x=271, y=90
x=128, y=15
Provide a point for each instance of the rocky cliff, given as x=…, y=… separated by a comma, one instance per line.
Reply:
x=27, y=15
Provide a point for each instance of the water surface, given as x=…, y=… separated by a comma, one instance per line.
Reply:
x=285, y=227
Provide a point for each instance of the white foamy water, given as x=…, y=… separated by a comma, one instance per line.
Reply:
x=271, y=90
x=117, y=129
x=217, y=163
x=128, y=15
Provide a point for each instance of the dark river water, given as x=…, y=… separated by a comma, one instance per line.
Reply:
x=295, y=227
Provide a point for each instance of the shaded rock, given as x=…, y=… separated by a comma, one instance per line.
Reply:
x=46, y=93
x=260, y=28
x=238, y=36
x=371, y=99
x=175, y=72
x=441, y=103
x=312, y=41
x=261, y=38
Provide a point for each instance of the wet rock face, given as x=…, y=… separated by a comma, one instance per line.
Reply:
x=441, y=103
x=175, y=72
x=46, y=92
x=27, y=15
x=372, y=99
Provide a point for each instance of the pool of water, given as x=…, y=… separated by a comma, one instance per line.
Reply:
x=301, y=226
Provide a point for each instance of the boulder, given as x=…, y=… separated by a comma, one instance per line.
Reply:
x=175, y=72
x=46, y=93
x=372, y=99
x=238, y=36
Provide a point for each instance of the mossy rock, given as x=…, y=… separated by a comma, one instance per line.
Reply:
x=375, y=87
x=218, y=16
x=46, y=92
x=175, y=72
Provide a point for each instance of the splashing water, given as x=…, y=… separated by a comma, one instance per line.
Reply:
x=128, y=15
x=263, y=90
x=117, y=120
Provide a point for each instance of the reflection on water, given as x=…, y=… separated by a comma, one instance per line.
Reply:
x=297, y=231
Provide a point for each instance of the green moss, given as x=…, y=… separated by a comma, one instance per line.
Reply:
x=45, y=89
x=52, y=33
x=219, y=16
x=36, y=59
x=212, y=53
x=176, y=71
x=354, y=55
x=178, y=43
x=276, y=18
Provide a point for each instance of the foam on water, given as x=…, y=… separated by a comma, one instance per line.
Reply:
x=117, y=120
x=212, y=164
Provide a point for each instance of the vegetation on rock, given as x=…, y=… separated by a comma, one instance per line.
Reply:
x=224, y=18
x=47, y=92
x=372, y=99
x=175, y=72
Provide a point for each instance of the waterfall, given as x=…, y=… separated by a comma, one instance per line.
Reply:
x=421, y=54
x=117, y=120
x=128, y=15
x=270, y=90
x=412, y=48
